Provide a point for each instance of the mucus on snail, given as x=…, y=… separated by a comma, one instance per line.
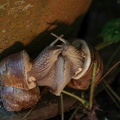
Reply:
x=56, y=66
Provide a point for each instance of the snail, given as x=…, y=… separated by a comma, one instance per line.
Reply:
x=52, y=68
x=58, y=65
x=18, y=91
x=82, y=79
x=64, y=64
x=81, y=57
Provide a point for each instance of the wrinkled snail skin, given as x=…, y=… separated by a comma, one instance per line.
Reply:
x=62, y=75
x=15, y=99
x=58, y=77
x=86, y=55
x=56, y=65
x=72, y=66
x=83, y=81
x=14, y=69
x=74, y=56
x=52, y=69
x=43, y=64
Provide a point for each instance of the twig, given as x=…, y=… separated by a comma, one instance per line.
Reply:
x=112, y=97
x=84, y=102
x=103, y=45
x=44, y=91
x=30, y=111
x=112, y=56
x=92, y=85
x=105, y=84
x=116, y=64
x=74, y=112
x=111, y=90
x=62, y=106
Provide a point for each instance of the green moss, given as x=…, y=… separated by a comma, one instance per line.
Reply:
x=111, y=31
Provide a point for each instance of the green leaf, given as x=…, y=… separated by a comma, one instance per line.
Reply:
x=111, y=31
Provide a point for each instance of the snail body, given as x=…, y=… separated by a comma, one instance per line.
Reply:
x=73, y=67
x=52, y=69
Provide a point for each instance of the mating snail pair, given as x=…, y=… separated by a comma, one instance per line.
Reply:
x=56, y=66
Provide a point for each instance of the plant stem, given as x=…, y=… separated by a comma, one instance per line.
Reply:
x=44, y=91
x=62, y=106
x=111, y=90
x=112, y=96
x=110, y=70
x=105, y=84
x=117, y=50
x=84, y=102
x=24, y=117
x=75, y=111
x=92, y=85
x=102, y=45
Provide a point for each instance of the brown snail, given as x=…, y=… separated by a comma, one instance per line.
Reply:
x=18, y=90
x=52, y=69
x=14, y=69
x=81, y=58
x=56, y=66
x=82, y=79
x=66, y=65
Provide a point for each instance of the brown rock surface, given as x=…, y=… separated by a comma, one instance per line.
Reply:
x=22, y=20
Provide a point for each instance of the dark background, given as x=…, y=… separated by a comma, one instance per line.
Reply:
x=101, y=12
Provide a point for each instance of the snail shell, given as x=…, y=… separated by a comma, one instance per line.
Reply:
x=82, y=79
x=14, y=69
x=16, y=99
